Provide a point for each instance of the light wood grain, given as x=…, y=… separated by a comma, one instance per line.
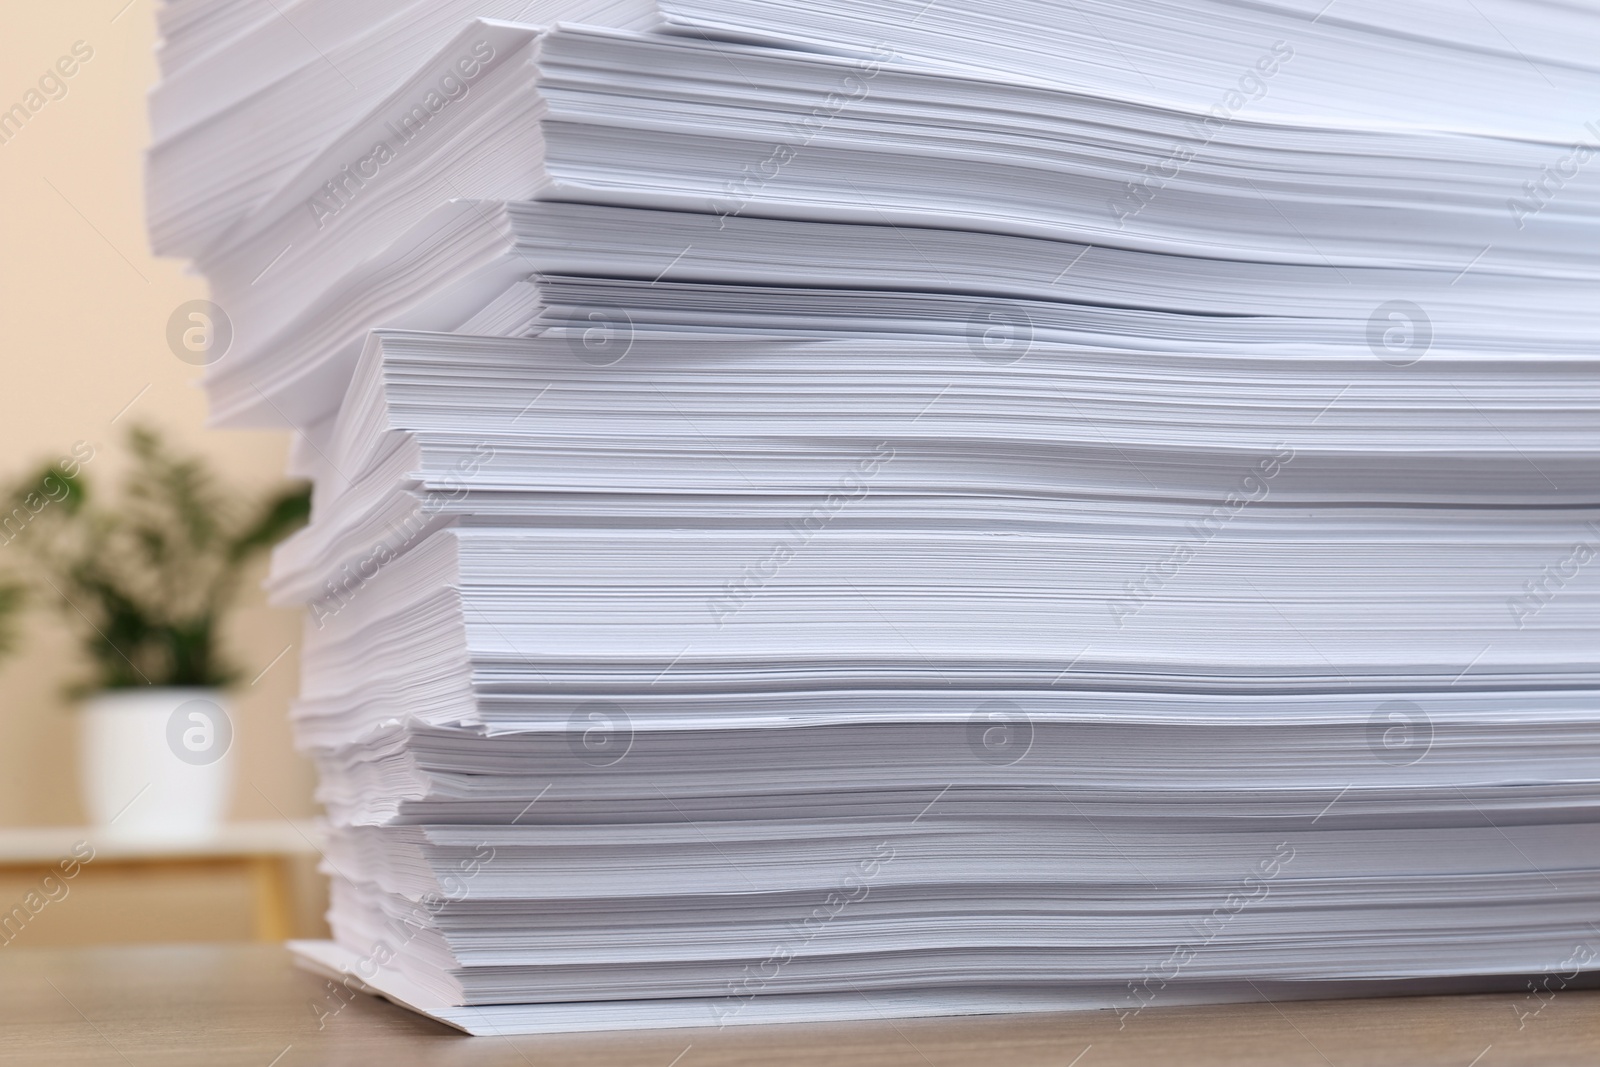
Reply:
x=248, y=1005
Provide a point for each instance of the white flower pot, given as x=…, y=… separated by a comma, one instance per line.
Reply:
x=157, y=763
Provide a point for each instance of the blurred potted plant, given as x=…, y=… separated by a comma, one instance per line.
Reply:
x=147, y=584
x=10, y=601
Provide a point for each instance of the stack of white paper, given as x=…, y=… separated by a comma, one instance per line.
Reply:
x=880, y=508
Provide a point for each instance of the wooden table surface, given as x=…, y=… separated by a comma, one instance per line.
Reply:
x=247, y=1005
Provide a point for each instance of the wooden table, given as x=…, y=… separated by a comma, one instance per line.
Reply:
x=247, y=1005
x=239, y=882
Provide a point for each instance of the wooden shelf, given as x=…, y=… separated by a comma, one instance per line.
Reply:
x=43, y=845
x=244, y=882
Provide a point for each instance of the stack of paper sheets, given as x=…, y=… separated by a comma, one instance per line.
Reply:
x=858, y=509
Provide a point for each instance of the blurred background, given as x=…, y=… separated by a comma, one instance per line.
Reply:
x=84, y=312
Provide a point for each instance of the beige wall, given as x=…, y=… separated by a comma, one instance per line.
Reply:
x=83, y=312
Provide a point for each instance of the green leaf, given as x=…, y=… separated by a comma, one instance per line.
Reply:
x=148, y=582
x=11, y=599
x=280, y=516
